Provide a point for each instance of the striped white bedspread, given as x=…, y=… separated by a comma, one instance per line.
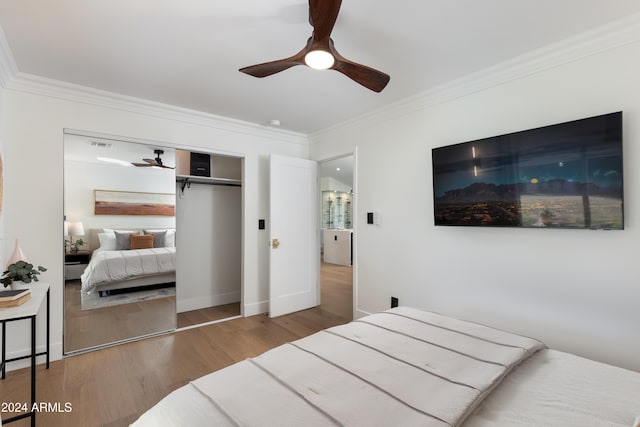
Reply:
x=110, y=266
x=400, y=367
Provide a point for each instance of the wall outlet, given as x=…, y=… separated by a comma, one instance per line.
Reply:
x=394, y=302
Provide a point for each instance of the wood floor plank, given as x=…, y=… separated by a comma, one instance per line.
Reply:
x=114, y=386
x=90, y=328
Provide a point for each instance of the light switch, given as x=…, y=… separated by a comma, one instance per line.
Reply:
x=373, y=218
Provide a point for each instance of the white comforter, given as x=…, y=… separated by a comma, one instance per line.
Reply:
x=110, y=266
x=553, y=388
x=401, y=367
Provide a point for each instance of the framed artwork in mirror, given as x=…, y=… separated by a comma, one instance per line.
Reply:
x=109, y=202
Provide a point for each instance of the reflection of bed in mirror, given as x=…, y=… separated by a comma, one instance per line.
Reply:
x=131, y=258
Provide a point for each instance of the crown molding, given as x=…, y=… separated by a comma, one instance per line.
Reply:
x=599, y=40
x=8, y=68
x=28, y=83
x=602, y=39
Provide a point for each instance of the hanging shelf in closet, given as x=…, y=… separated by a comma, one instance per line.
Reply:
x=185, y=181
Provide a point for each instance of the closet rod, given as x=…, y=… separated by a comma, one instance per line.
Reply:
x=186, y=183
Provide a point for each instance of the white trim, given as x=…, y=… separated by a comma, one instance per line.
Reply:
x=54, y=349
x=362, y=313
x=592, y=42
x=8, y=68
x=259, y=307
x=116, y=343
x=29, y=83
x=605, y=38
x=206, y=301
x=152, y=142
x=356, y=227
x=212, y=322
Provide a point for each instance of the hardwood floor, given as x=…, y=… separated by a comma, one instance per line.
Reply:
x=101, y=326
x=210, y=314
x=91, y=328
x=114, y=386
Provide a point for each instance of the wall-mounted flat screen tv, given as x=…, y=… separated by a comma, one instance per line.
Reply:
x=567, y=175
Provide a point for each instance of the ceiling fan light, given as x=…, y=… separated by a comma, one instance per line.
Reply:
x=319, y=59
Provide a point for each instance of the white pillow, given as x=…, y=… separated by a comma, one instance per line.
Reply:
x=112, y=231
x=107, y=241
x=170, y=237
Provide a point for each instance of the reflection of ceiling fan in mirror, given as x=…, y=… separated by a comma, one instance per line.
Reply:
x=157, y=162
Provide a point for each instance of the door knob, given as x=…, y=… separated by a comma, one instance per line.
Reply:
x=275, y=243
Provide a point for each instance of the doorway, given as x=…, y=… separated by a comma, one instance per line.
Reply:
x=337, y=230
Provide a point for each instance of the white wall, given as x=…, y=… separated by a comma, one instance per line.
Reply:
x=35, y=114
x=209, y=237
x=577, y=290
x=81, y=179
x=2, y=185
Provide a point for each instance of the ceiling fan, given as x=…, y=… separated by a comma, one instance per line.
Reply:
x=157, y=162
x=320, y=53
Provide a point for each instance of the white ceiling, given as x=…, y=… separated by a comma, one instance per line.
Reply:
x=187, y=53
x=88, y=149
x=341, y=169
x=85, y=149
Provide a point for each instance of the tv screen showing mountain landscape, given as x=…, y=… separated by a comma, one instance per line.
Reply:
x=567, y=175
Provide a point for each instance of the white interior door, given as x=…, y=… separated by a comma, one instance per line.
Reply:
x=294, y=254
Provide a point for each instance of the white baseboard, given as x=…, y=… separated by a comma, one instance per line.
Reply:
x=256, y=308
x=361, y=313
x=55, y=353
x=190, y=304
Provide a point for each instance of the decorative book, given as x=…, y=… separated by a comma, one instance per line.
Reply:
x=14, y=297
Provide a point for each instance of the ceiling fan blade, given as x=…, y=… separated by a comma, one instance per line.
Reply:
x=323, y=15
x=268, y=68
x=366, y=76
x=150, y=163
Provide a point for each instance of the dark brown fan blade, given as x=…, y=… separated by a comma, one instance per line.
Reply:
x=323, y=15
x=366, y=76
x=142, y=165
x=152, y=162
x=268, y=68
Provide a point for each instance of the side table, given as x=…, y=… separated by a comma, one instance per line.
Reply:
x=75, y=263
x=28, y=310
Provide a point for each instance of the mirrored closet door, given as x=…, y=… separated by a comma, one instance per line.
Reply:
x=128, y=272
x=119, y=238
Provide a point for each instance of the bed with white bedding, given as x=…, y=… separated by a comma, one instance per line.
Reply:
x=108, y=270
x=116, y=264
x=407, y=367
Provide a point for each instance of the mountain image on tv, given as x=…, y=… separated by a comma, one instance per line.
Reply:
x=565, y=176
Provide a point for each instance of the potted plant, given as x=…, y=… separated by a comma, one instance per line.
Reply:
x=74, y=246
x=21, y=271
